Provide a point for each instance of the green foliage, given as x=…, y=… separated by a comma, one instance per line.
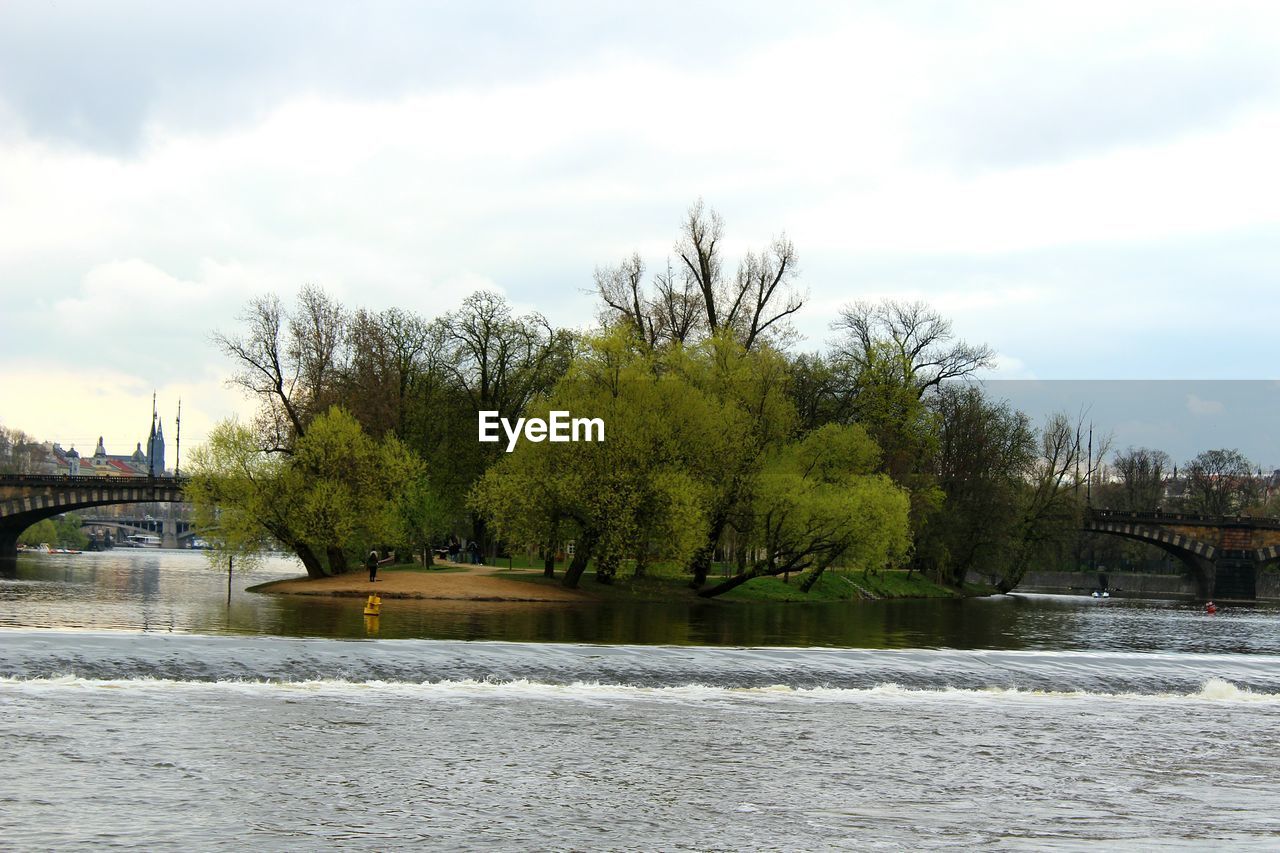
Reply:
x=61, y=531
x=629, y=493
x=41, y=533
x=336, y=495
x=985, y=451
x=69, y=533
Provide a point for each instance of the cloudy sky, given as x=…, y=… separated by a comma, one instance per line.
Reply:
x=1094, y=190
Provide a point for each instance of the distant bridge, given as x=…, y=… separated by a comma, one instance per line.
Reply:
x=1224, y=553
x=173, y=531
x=28, y=498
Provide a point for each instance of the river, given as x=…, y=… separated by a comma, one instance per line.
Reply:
x=140, y=708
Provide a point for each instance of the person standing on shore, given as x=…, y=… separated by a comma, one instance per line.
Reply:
x=372, y=562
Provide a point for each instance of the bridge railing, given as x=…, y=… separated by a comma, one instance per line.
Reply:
x=108, y=480
x=1160, y=517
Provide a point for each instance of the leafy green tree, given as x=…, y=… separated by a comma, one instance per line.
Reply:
x=819, y=502
x=338, y=493
x=41, y=533
x=627, y=495
x=69, y=532
x=984, y=452
x=748, y=415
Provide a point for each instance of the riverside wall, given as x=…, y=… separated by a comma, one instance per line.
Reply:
x=1268, y=583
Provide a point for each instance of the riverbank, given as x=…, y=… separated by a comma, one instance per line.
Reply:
x=447, y=583
x=456, y=582
x=1137, y=584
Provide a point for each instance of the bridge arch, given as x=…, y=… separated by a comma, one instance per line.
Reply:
x=1196, y=554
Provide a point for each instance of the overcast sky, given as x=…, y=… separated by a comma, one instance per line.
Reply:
x=1091, y=189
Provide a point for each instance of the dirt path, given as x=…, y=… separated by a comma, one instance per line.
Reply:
x=476, y=583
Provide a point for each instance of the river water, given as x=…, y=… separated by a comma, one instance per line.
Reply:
x=138, y=707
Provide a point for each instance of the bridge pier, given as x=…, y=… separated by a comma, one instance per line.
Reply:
x=9, y=549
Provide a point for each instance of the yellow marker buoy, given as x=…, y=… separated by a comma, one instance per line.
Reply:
x=373, y=607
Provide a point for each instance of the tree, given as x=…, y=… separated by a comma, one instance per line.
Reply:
x=68, y=531
x=1142, y=473
x=750, y=415
x=818, y=501
x=396, y=369
x=1220, y=482
x=889, y=359
x=910, y=339
x=334, y=496
x=1051, y=506
x=289, y=361
x=629, y=494
x=497, y=362
x=698, y=299
x=41, y=533
x=984, y=452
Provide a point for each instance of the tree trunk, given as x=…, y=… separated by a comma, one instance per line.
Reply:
x=642, y=561
x=812, y=577
x=549, y=555
x=700, y=565
x=581, y=555
x=337, y=560
x=310, y=562
x=758, y=570
x=428, y=559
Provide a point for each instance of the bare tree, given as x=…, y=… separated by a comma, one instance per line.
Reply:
x=1221, y=482
x=916, y=339
x=289, y=361
x=396, y=356
x=621, y=288
x=753, y=305
x=501, y=361
x=1142, y=473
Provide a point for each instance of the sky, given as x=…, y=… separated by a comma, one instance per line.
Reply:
x=1090, y=188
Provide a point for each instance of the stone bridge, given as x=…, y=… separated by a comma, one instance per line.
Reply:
x=1224, y=553
x=171, y=531
x=28, y=498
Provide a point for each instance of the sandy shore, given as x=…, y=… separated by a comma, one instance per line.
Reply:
x=475, y=584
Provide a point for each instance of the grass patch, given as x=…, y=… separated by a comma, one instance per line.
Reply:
x=670, y=583
x=835, y=585
x=418, y=567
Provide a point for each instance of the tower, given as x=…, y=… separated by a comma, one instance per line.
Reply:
x=155, y=449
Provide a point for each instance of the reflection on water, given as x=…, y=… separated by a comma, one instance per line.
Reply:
x=180, y=592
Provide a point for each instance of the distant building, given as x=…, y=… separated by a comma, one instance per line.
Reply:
x=102, y=464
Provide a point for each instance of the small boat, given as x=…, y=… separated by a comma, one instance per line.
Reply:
x=46, y=548
x=143, y=540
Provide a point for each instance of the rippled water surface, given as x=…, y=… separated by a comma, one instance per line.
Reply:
x=138, y=707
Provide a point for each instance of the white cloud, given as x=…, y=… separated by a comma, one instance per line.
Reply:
x=843, y=132
x=1197, y=406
